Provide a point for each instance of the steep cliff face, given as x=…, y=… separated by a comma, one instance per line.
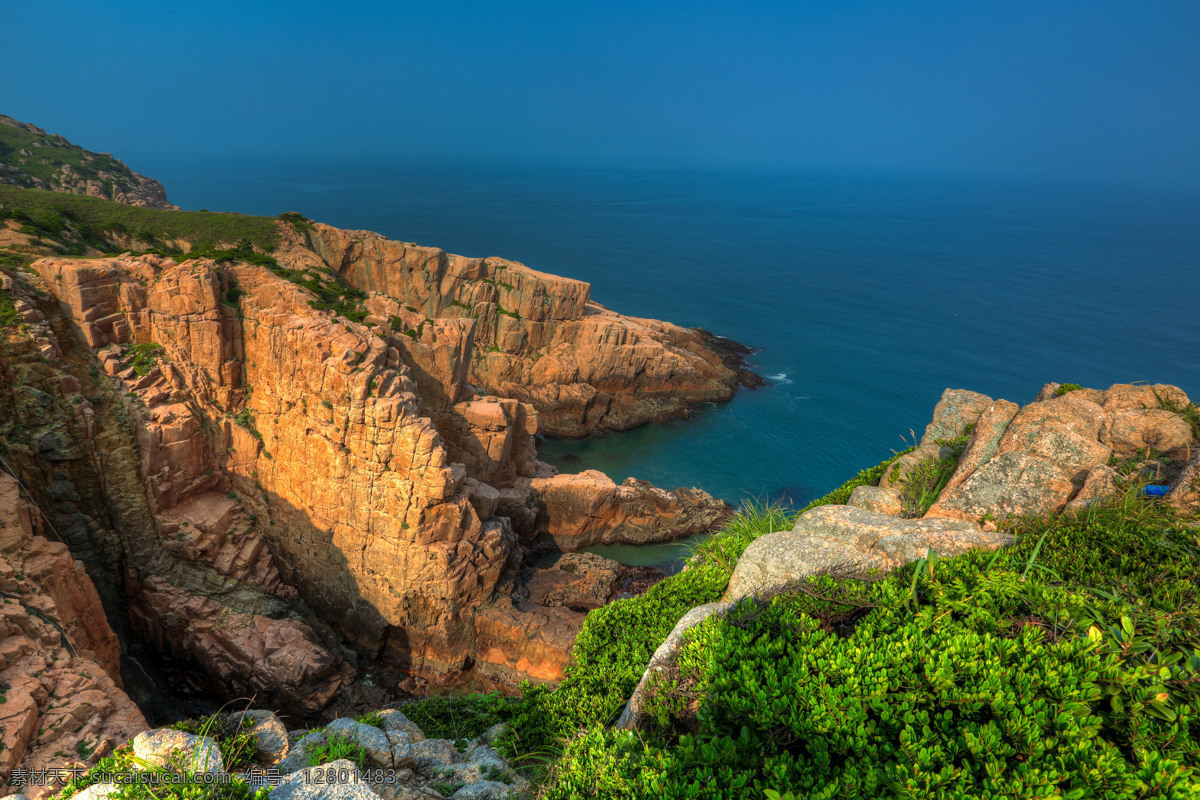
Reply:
x=316, y=470
x=34, y=159
x=125, y=469
x=539, y=338
x=61, y=699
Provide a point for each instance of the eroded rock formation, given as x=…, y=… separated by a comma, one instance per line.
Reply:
x=61, y=698
x=287, y=483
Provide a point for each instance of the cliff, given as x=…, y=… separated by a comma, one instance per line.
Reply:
x=34, y=159
x=61, y=698
x=284, y=468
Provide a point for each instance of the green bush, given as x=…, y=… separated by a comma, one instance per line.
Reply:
x=990, y=675
x=145, y=356
x=337, y=747
x=1066, y=387
x=8, y=311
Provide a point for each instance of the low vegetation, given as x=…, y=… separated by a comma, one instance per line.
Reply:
x=1066, y=666
x=90, y=222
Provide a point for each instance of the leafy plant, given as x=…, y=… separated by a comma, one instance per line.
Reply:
x=1066, y=387
x=336, y=747
x=145, y=356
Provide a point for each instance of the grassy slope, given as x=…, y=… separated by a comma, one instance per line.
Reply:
x=48, y=153
x=93, y=219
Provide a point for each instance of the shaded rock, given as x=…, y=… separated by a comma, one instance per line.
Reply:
x=395, y=721
x=269, y=731
x=1130, y=431
x=434, y=755
x=337, y=780
x=1101, y=483
x=168, y=748
x=954, y=412
x=878, y=499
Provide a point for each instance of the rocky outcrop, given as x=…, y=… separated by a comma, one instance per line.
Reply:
x=538, y=338
x=34, y=159
x=579, y=510
x=322, y=472
x=61, y=698
x=1045, y=456
x=1065, y=451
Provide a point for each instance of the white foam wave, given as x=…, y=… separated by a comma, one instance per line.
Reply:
x=781, y=379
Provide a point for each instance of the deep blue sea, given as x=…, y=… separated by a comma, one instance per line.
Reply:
x=865, y=295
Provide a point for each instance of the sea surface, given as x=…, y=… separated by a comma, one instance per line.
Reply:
x=864, y=294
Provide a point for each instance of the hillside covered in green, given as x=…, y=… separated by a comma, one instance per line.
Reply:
x=33, y=159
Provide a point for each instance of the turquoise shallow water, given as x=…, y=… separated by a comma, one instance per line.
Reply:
x=864, y=295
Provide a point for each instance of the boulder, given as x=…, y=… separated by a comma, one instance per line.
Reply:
x=780, y=558
x=1133, y=431
x=877, y=499
x=434, y=755
x=297, y=757
x=165, y=747
x=337, y=780
x=395, y=721
x=955, y=411
x=272, y=736
x=372, y=739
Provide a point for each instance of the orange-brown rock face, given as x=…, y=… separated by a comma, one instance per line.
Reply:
x=577, y=511
x=539, y=338
x=63, y=704
x=302, y=469
x=1054, y=453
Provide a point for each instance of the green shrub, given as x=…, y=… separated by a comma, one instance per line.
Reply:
x=992, y=684
x=336, y=747
x=145, y=356
x=1066, y=387
x=8, y=311
x=374, y=719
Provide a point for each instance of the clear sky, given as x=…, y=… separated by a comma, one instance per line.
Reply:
x=1093, y=89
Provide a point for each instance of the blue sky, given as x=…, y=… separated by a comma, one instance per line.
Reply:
x=1090, y=89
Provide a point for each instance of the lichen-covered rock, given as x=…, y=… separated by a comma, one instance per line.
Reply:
x=876, y=498
x=394, y=720
x=434, y=755
x=955, y=411
x=270, y=734
x=483, y=790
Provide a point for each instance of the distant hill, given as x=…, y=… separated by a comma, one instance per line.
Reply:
x=33, y=159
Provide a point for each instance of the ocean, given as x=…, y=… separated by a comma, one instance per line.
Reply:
x=864, y=294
